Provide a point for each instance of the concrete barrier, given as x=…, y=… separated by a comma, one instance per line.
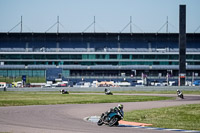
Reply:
x=1, y=89
x=101, y=89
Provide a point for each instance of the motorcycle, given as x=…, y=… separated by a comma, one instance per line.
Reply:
x=180, y=94
x=111, y=119
x=64, y=91
x=108, y=92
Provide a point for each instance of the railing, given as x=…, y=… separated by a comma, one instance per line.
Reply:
x=129, y=77
x=96, y=50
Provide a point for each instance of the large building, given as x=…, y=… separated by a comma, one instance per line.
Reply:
x=96, y=55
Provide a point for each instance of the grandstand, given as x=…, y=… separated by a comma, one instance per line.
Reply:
x=96, y=55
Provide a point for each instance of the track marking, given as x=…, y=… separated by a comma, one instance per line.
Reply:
x=94, y=119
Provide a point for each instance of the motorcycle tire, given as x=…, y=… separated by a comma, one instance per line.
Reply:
x=113, y=121
x=100, y=122
x=182, y=97
x=117, y=124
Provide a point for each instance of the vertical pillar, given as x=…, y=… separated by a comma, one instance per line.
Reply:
x=27, y=46
x=57, y=46
x=182, y=45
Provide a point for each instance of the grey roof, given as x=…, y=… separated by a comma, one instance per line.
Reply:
x=12, y=66
x=102, y=67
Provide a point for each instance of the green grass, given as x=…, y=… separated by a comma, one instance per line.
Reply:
x=197, y=92
x=179, y=117
x=44, y=98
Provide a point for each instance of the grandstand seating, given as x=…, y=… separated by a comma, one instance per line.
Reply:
x=138, y=51
x=96, y=50
x=92, y=45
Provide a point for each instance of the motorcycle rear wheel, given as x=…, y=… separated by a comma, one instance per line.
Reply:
x=113, y=121
x=182, y=96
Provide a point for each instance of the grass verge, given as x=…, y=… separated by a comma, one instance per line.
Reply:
x=179, y=117
x=196, y=92
x=41, y=98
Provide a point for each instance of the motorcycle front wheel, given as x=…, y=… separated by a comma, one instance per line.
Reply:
x=113, y=121
x=100, y=122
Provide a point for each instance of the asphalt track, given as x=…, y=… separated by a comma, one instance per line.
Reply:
x=69, y=118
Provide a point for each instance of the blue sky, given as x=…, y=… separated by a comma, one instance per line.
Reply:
x=111, y=15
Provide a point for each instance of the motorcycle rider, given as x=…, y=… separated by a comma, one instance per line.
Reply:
x=107, y=91
x=119, y=109
x=63, y=91
x=178, y=92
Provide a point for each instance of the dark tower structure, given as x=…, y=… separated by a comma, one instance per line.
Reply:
x=182, y=45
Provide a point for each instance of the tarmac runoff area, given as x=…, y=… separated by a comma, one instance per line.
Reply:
x=122, y=123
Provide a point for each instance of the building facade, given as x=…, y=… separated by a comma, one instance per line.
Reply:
x=96, y=55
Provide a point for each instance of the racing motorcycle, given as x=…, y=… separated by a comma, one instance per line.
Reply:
x=111, y=119
x=180, y=94
x=63, y=91
x=108, y=92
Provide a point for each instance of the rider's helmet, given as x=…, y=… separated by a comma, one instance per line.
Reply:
x=120, y=106
x=177, y=90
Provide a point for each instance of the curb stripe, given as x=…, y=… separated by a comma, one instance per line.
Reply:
x=94, y=119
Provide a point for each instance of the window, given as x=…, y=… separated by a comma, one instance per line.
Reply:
x=51, y=56
x=28, y=56
x=125, y=56
x=173, y=57
x=113, y=56
x=39, y=56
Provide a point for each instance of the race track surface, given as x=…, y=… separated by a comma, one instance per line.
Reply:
x=69, y=118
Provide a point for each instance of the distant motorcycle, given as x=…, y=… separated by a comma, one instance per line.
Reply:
x=111, y=119
x=108, y=92
x=180, y=94
x=63, y=91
